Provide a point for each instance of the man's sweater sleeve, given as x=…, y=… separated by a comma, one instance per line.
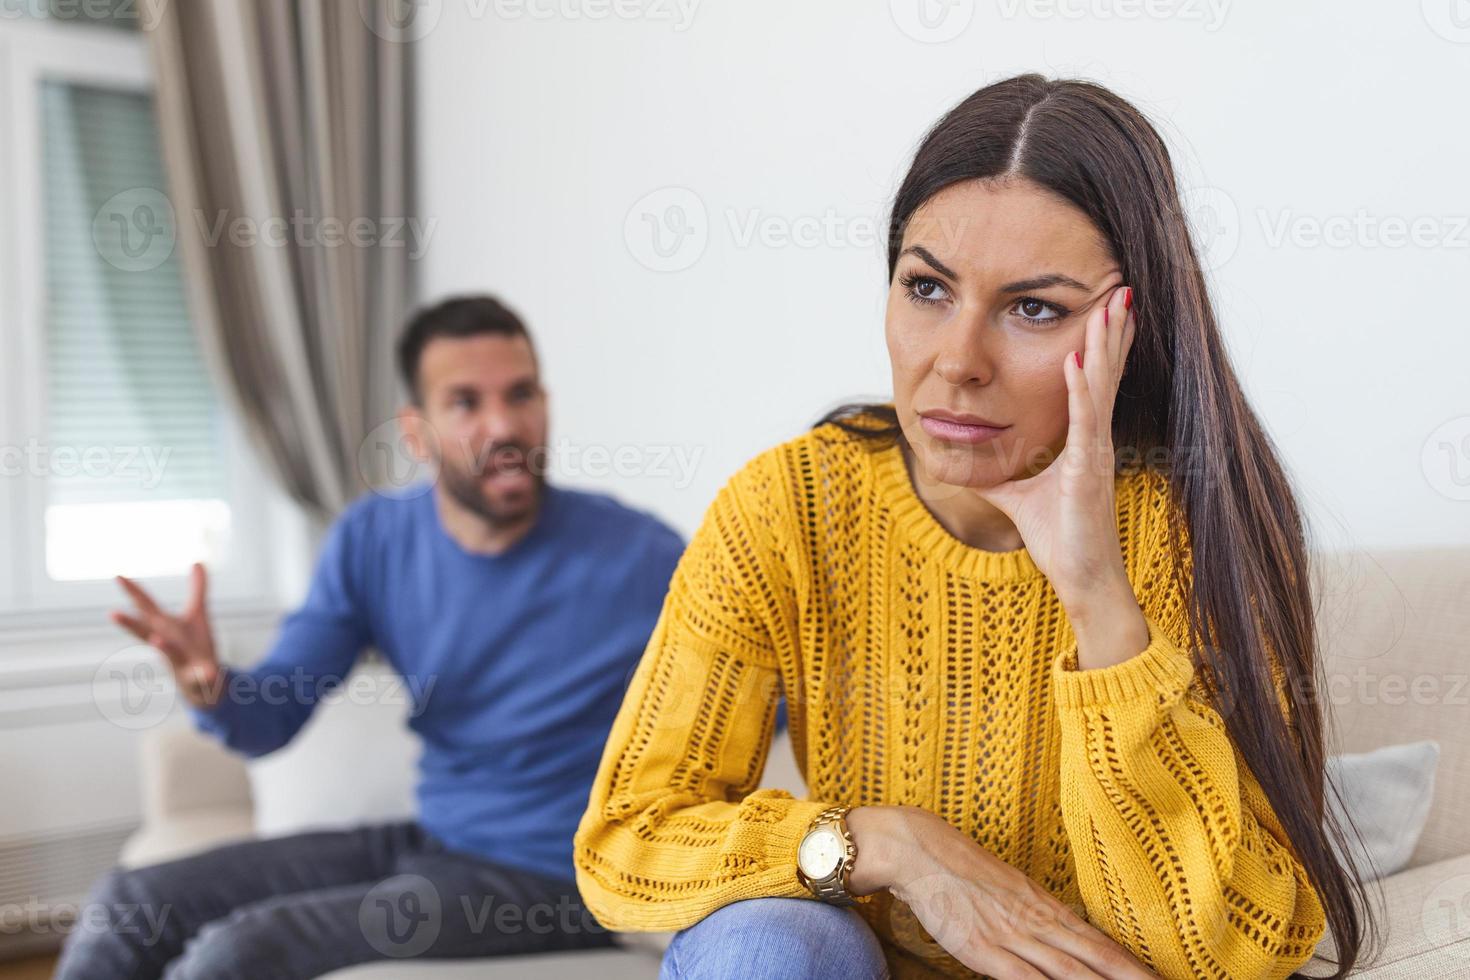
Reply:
x=675, y=827
x=262, y=708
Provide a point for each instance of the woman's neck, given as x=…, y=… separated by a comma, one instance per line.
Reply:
x=963, y=512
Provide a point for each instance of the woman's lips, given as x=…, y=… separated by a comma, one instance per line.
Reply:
x=952, y=431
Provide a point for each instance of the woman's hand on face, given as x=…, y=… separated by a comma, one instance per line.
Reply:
x=1066, y=514
x=984, y=912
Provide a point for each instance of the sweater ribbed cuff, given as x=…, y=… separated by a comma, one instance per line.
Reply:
x=783, y=838
x=1162, y=670
x=781, y=851
x=220, y=719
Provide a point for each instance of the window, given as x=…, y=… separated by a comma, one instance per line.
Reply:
x=133, y=430
x=116, y=455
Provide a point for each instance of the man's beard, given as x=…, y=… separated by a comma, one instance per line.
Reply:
x=465, y=489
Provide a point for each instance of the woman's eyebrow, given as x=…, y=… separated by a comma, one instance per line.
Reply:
x=928, y=256
x=1019, y=286
x=1042, y=282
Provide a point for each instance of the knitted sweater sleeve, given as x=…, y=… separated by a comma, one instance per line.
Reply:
x=675, y=827
x=1178, y=853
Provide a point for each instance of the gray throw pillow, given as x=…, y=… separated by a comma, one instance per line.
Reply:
x=1387, y=793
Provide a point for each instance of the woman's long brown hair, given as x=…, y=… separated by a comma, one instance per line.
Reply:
x=1179, y=403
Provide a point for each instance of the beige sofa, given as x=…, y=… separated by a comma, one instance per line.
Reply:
x=1396, y=634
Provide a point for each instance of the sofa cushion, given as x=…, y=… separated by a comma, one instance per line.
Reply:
x=354, y=762
x=1387, y=794
x=184, y=833
x=1395, y=629
x=1425, y=925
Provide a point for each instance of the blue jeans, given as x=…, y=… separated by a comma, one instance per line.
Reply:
x=776, y=939
x=289, y=908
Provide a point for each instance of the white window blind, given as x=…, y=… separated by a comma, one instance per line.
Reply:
x=135, y=479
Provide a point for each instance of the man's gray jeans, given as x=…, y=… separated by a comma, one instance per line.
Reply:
x=290, y=908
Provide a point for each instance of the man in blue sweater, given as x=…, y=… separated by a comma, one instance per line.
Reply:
x=515, y=610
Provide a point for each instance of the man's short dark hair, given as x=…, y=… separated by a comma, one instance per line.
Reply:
x=460, y=316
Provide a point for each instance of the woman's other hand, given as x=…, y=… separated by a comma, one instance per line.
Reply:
x=984, y=912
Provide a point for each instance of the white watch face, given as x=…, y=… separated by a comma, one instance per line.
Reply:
x=820, y=853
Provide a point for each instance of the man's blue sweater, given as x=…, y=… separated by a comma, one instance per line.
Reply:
x=518, y=662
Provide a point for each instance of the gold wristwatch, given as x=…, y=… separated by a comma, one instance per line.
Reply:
x=825, y=856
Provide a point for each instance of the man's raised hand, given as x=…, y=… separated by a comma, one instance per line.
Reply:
x=185, y=640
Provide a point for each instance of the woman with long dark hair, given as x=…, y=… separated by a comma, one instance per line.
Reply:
x=1043, y=624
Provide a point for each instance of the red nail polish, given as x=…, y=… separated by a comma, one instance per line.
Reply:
x=1128, y=299
x=1077, y=356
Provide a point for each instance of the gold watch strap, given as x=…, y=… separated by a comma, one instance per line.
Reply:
x=833, y=888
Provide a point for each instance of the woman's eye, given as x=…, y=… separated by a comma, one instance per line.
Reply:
x=924, y=290
x=929, y=289
x=1038, y=310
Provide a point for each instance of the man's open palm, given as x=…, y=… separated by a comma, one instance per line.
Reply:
x=186, y=640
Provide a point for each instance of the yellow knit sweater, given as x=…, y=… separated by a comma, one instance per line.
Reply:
x=918, y=670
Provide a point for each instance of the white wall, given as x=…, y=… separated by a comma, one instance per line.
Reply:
x=540, y=134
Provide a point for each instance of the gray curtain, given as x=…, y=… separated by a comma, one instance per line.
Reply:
x=286, y=136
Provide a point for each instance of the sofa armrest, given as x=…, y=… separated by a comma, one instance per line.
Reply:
x=195, y=795
x=183, y=770
x=184, y=834
x=1425, y=920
